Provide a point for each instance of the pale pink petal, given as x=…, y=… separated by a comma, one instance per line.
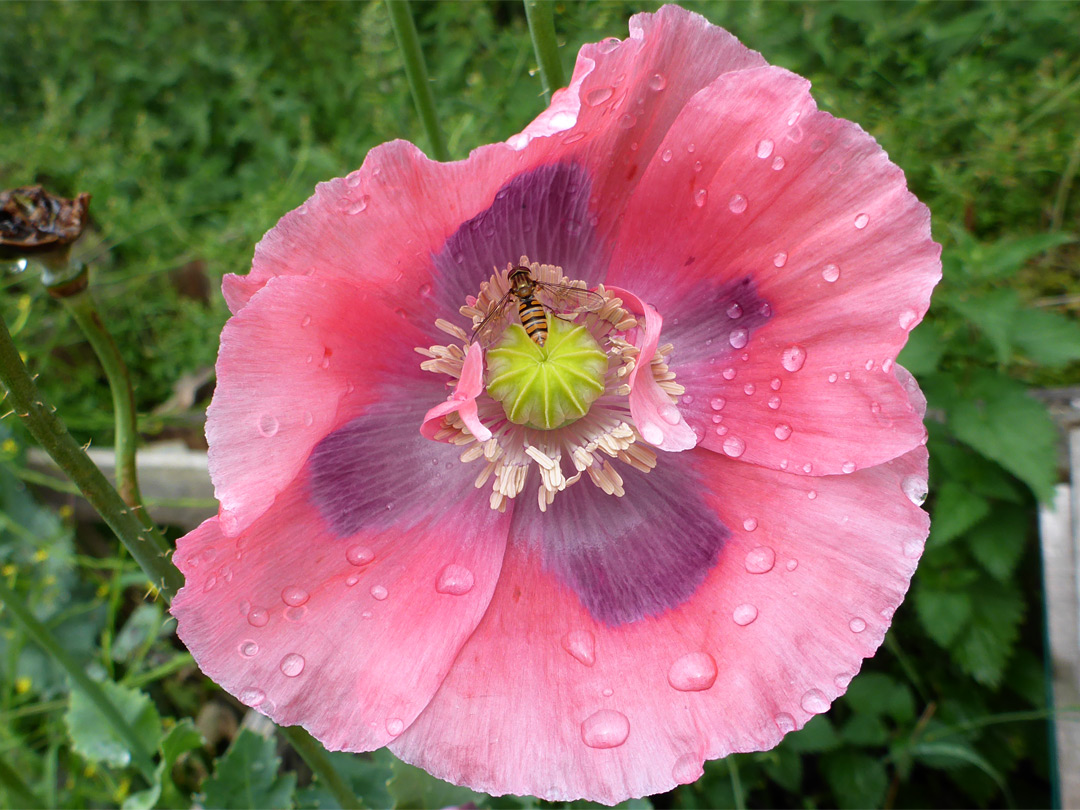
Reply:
x=806, y=215
x=657, y=419
x=546, y=700
x=348, y=636
x=463, y=400
x=304, y=357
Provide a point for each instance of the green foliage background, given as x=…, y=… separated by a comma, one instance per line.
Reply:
x=196, y=125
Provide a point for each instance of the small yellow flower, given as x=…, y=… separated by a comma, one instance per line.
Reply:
x=41, y=555
x=22, y=685
x=66, y=511
x=8, y=570
x=9, y=446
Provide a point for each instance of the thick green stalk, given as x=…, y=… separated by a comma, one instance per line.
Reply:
x=132, y=526
x=82, y=309
x=142, y=758
x=405, y=32
x=541, y=17
x=314, y=755
x=19, y=795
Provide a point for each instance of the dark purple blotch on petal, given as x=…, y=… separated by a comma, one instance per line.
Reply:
x=377, y=471
x=542, y=213
x=631, y=557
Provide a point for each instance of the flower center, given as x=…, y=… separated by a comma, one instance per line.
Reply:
x=555, y=395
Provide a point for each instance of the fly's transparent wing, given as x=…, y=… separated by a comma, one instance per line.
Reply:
x=493, y=325
x=564, y=299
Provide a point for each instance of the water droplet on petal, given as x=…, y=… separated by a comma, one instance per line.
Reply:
x=830, y=273
x=305, y=320
x=294, y=596
x=832, y=377
x=785, y=722
x=861, y=221
x=782, y=432
x=760, y=560
x=765, y=309
x=606, y=728
x=670, y=414
x=249, y=649
x=848, y=467
x=777, y=163
x=908, y=318
x=737, y=203
x=351, y=580
x=268, y=425
x=915, y=488
x=608, y=45
x=359, y=555
x=764, y=148
x=780, y=259
x=793, y=118
x=251, y=696
x=749, y=389
x=352, y=180
x=581, y=644
x=666, y=156
x=744, y=614
x=843, y=680
x=455, y=580
x=379, y=592
x=394, y=726
x=292, y=665
x=750, y=524
x=693, y=672
x=652, y=434
x=627, y=121
x=812, y=494
x=815, y=702
x=792, y=564
x=657, y=82
x=424, y=290
x=774, y=402
x=729, y=373
x=700, y=197
x=598, y=96
x=687, y=769
x=793, y=358
x=734, y=311
x=258, y=617
x=857, y=625
x=358, y=205
x=734, y=446
x=718, y=403
x=738, y=338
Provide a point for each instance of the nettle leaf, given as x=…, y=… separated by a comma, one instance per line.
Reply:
x=875, y=694
x=94, y=738
x=998, y=541
x=994, y=313
x=943, y=614
x=411, y=787
x=1047, y=337
x=984, y=649
x=997, y=417
x=856, y=780
x=247, y=776
x=956, y=509
x=182, y=738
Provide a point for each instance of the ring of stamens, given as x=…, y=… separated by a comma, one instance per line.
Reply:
x=606, y=433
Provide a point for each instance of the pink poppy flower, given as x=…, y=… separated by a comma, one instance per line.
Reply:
x=590, y=599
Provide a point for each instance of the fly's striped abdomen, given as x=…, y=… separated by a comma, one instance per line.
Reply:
x=533, y=319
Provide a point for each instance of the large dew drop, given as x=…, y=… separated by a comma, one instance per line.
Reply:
x=581, y=644
x=815, y=702
x=744, y=614
x=606, y=728
x=793, y=358
x=760, y=560
x=359, y=555
x=734, y=446
x=693, y=672
x=455, y=580
x=687, y=769
x=292, y=665
x=294, y=596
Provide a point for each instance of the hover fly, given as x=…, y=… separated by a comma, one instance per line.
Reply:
x=535, y=298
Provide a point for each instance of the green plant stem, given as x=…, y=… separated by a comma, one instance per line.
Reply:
x=405, y=32
x=541, y=17
x=736, y=782
x=132, y=526
x=314, y=755
x=142, y=758
x=19, y=795
x=82, y=309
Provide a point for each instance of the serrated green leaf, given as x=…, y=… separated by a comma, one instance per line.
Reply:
x=942, y=614
x=998, y=541
x=365, y=774
x=856, y=780
x=998, y=418
x=874, y=694
x=412, y=787
x=994, y=313
x=94, y=738
x=1047, y=337
x=816, y=736
x=182, y=738
x=924, y=349
x=247, y=776
x=956, y=509
x=984, y=649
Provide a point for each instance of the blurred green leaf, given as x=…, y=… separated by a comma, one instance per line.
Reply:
x=997, y=260
x=96, y=740
x=948, y=755
x=182, y=738
x=955, y=510
x=924, y=349
x=139, y=630
x=411, y=787
x=1046, y=337
x=857, y=780
x=247, y=776
x=994, y=312
x=816, y=736
x=365, y=774
x=985, y=647
x=875, y=694
x=942, y=613
x=998, y=542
